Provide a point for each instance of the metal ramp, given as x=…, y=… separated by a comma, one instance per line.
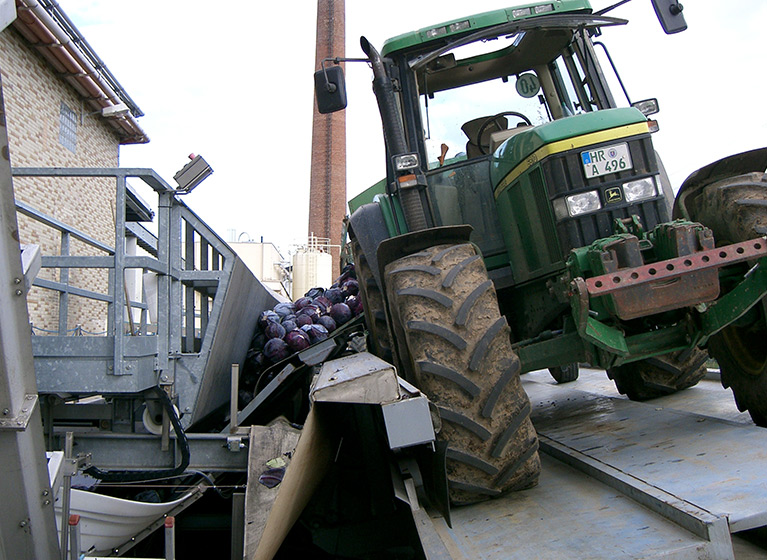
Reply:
x=717, y=465
x=568, y=515
x=620, y=480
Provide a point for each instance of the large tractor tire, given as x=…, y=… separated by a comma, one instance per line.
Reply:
x=378, y=340
x=445, y=314
x=735, y=209
x=662, y=375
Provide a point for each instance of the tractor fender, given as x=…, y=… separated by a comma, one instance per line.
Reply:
x=738, y=164
x=368, y=226
x=402, y=245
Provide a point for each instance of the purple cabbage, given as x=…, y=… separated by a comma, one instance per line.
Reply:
x=322, y=303
x=297, y=340
x=312, y=311
x=314, y=292
x=267, y=316
x=340, y=313
x=289, y=325
x=334, y=295
x=355, y=304
x=348, y=272
x=350, y=287
x=303, y=319
x=258, y=341
x=302, y=302
x=276, y=349
x=327, y=322
x=274, y=330
x=284, y=309
x=315, y=332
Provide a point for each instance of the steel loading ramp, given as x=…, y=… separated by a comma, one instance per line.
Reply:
x=669, y=478
x=715, y=464
x=568, y=515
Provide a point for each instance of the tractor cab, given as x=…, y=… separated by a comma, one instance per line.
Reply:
x=492, y=105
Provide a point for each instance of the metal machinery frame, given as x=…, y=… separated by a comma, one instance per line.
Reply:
x=207, y=304
x=28, y=527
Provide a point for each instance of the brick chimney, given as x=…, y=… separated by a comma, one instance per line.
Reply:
x=327, y=194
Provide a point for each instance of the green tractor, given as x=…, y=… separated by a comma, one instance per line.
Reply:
x=526, y=222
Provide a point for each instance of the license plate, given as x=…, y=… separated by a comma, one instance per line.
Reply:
x=610, y=159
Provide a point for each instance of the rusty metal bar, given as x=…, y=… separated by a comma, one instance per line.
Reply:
x=676, y=267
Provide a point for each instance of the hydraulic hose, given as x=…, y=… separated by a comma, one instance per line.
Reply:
x=140, y=476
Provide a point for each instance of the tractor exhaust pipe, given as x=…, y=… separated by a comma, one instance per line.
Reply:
x=383, y=88
x=394, y=135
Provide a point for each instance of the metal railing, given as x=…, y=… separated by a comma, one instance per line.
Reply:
x=193, y=268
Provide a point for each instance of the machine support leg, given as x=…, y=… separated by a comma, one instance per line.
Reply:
x=66, y=491
x=234, y=398
x=170, y=538
x=74, y=536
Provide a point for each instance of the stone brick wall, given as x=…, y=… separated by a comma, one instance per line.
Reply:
x=33, y=103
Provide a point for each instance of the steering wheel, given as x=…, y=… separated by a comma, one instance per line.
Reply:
x=489, y=120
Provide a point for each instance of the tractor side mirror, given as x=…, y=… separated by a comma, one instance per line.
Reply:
x=330, y=89
x=669, y=14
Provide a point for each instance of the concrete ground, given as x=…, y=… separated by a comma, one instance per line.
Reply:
x=708, y=398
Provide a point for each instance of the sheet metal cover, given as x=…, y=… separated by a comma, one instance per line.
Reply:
x=360, y=378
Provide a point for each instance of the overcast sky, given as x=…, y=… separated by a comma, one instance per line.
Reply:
x=233, y=82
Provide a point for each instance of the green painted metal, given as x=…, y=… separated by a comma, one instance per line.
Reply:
x=606, y=346
x=601, y=346
x=437, y=33
x=529, y=232
x=736, y=303
x=384, y=202
x=367, y=195
x=521, y=146
x=554, y=351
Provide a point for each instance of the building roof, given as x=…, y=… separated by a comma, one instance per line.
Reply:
x=48, y=29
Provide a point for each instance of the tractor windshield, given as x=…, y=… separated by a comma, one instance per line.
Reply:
x=477, y=94
x=474, y=97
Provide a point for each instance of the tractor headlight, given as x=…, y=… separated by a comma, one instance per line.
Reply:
x=543, y=8
x=406, y=162
x=577, y=204
x=641, y=189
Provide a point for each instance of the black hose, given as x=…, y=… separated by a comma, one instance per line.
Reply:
x=139, y=476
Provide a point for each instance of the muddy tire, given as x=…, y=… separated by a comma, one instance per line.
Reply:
x=735, y=209
x=566, y=373
x=445, y=313
x=378, y=340
x=662, y=375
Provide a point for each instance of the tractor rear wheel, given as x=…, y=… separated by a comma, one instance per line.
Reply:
x=661, y=375
x=446, y=319
x=378, y=340
x=735, y=209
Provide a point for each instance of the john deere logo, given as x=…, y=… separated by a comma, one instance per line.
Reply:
x=613, y=194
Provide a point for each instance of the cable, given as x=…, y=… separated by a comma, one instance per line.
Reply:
x=136, y=476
